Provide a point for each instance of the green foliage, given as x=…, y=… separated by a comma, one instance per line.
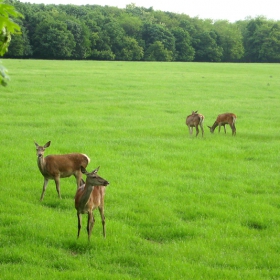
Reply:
x=230, y=39
x=157, y=52
x=131, y=25
x=177, y=207
x=52, y=39
x=103, y=55
x=81, y=37
x=183, y=46
x=262, y=40
x=20, y=44
x=207, y=48
x=270, y=46
x=130, y=50
x=153, y=33
x=7, y=27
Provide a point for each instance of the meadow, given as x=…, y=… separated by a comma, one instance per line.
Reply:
x=178, y=206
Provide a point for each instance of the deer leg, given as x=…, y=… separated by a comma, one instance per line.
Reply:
x=57, y=184
x=101, y=211
x=233, y=129
x=90, y=224
x=44, y=188
x=197, y=130
x=190, y=130
x=225, y=129
x=78, y=179
x=79, y=223
x=202, y=130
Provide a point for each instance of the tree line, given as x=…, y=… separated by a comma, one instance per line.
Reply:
x=138, y=34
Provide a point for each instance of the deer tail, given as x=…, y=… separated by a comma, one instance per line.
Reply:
x=88, y=159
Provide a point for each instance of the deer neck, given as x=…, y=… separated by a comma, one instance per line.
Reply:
x=86, y=194
x=214, y=126
x=41, y=164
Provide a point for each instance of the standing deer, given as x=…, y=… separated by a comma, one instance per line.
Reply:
x=59, y=166
x=222, y=120
x=88, y=197
x=195, y=120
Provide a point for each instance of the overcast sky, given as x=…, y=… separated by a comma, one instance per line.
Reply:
x=231, y=10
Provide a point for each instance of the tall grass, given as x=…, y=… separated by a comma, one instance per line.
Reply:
x=177, y=207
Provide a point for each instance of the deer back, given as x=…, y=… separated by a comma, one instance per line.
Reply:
x=226, y=118
x=194, y=119
x=65, y=165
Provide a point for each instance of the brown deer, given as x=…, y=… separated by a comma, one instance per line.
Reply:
x=195, y=120
x=88, y=197
x=222, y=120
x=59, y=166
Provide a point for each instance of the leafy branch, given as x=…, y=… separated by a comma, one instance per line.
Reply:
x=7, y=27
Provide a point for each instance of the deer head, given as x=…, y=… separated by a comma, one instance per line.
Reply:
x=93, y=178
x=41, y=149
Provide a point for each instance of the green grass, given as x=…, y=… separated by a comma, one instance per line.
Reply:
x=177, y=207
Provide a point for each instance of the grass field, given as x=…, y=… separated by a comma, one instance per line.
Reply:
x=177, y=207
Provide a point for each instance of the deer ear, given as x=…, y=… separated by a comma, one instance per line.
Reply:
x=84, y=170
x=96, y=170
x=47, y=144
x=82, y=182
x=36, y=144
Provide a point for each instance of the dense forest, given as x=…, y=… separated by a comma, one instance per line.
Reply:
x=139, y=34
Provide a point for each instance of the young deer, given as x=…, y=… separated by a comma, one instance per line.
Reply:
x=222, y=120
x=195, y=120
x=88, y=197
x=59, y=166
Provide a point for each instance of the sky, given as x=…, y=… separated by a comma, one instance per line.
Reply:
x=231, y=10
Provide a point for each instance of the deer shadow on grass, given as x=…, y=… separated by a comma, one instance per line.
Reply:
x=64, y=204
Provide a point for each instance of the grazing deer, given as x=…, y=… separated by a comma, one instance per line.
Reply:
x=222, y=120
x=88, y=197
x=195, y=120
x=59, y=166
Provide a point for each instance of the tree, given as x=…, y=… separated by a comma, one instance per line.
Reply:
x=154, y=33
x=108, y=33
x=256, y=33
x=270, y=49
x=53, y=40
x=262, y=40
x=115, y=35
x=20, y=44
x=81, y=35
x=130, y=50
x=7, y=27
x=184, y=50
x=99, y=41
x=103, y=55
x=230, y=39
x=132, y=25
x=206, y=47
x=157, y=52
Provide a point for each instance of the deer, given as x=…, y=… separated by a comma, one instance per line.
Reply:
x=90, y=196
x=55, y=167
x=222, y=120
x=195, y=120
